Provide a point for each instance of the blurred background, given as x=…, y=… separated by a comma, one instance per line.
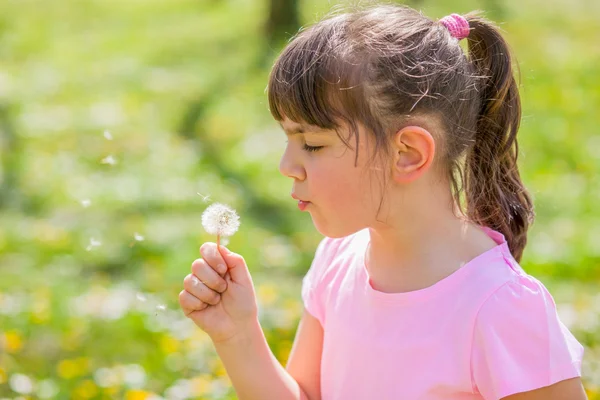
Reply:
x=119, y=118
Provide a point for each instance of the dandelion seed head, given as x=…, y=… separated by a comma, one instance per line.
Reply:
x=219, y=219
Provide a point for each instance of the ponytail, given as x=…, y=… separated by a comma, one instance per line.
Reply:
x=495, y=195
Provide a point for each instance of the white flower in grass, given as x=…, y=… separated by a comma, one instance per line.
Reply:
x=221, y=220
x=21, y=383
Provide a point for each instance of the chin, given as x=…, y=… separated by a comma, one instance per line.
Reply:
x=336, y=231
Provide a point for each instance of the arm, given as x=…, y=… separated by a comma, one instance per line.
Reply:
x=256, y=373
x=569, y=389
x=254, y=370
x=304, y=363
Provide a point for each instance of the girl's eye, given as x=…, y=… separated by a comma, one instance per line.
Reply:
x=312, y=148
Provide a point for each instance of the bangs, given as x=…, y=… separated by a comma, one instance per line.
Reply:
x=315, y=82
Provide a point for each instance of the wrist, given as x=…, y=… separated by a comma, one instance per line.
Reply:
x=247, y=333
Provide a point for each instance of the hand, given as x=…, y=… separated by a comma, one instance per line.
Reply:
x=219, y=294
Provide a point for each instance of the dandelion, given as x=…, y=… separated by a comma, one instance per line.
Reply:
x=107, y=135
x=221, y=220
x=110, y=160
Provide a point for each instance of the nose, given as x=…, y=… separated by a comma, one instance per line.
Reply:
x=290, y=166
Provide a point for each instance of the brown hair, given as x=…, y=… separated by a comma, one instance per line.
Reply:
x=383, y=66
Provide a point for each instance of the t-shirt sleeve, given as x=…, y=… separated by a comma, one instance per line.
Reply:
x=519, y=342
x=313, y=285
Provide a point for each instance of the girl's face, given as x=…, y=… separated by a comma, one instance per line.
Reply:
x=344, y=197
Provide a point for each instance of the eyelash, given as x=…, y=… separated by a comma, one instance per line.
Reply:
x=312, y=148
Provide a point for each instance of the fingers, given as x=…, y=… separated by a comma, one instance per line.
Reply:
x=238, y=269
x=207, y=275
x=200, y=290
x=212, y=256
x=189, y=303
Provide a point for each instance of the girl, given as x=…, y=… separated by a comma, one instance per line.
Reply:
x=415, y=292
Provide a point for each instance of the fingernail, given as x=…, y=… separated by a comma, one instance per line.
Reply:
x=222, y=268
x=195, y=281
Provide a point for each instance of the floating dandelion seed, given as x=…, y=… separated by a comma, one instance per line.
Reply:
x=140, y=297
x=93, y=243
x=110, y=160
x=86, y=203
x=137, y=238
x=221, y=220
x=204, y=198
x=107, y=135
x=160, y=307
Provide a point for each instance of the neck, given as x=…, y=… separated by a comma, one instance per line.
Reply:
x=425, y=243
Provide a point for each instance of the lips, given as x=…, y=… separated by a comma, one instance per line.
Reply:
x=302, y=204
x=298, y=198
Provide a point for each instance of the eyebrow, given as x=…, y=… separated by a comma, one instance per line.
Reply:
x=299, y=129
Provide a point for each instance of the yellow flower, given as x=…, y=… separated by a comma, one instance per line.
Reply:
x=12, y=341
x=201, y=385
x=67, y=369
x=85, y=390
x=137, y=395
x=111, y=391
x=169, y=345
x=217, y=367
x=3, y=376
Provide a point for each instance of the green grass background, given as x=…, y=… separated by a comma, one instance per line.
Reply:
x=180, y=86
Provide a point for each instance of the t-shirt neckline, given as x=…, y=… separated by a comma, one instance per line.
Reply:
x=440, y=286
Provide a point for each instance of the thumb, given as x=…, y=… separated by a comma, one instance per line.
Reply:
x=236, y=265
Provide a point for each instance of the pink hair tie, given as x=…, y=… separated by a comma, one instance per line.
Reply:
x=457, y=25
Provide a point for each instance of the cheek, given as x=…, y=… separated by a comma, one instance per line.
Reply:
x=344, y=188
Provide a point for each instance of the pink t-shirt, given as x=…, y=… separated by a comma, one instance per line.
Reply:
x=486, y=331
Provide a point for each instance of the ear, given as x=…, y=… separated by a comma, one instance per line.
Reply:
x=414, y=149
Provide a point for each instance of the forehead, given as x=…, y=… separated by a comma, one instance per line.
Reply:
x=295, y=128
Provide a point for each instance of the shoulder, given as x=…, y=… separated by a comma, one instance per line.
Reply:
x=521, y=299
x=519, y=342
x=331, y=250
x=332, y=257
